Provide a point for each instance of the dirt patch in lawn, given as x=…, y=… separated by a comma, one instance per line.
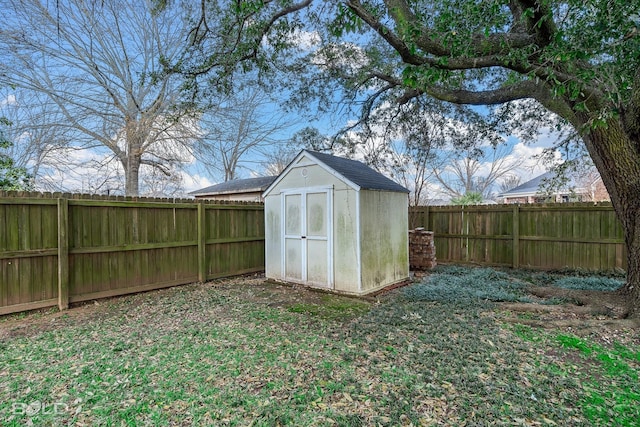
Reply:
x=304, y=299
x=596, y=314
x=609, y=304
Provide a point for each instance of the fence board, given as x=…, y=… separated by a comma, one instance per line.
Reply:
x=237, y=239
x=553, y=236
x=62, y=215
x=56, y=249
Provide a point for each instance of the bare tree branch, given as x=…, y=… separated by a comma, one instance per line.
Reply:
x=101, y=71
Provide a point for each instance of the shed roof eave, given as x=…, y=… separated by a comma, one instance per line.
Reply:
x=318, y=162
x=334, y=172
x=279, y=178
x=317, y=158
x=397, y=188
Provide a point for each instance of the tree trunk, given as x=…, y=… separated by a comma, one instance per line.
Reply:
x=131, y=176
x=632, y=288
x=617, y=158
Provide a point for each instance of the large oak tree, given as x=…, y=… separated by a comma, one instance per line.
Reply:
x=578, y=59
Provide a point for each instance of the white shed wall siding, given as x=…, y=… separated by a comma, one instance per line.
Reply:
x=273, y=237
x=346, y=259
x=384, y=239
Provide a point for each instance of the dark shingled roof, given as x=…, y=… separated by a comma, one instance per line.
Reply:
x=237, y=186
x=531, y=186
x=358, y=173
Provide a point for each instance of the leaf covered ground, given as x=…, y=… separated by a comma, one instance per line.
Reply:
x=448, y=350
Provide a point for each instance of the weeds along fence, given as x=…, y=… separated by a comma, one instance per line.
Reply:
x=550, y=236
x=57, y=249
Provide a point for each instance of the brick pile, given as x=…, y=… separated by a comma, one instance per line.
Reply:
x=422, y=250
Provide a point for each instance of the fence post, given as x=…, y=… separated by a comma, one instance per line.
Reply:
x=63, y=254
x=465, y=232
x=202, y=243
x=426, y=219
x=516, y=235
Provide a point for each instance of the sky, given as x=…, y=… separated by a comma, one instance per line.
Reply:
x=84, y=177
x=95, y=170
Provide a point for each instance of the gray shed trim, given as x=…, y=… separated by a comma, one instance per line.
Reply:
x=355, y=173
x=248, y=185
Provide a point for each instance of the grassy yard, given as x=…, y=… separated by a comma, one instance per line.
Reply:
x=447, y=351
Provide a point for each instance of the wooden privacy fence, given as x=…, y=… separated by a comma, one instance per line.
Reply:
x=550, y=236
x=56, y=249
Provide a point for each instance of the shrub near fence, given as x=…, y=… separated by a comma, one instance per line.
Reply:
x=56, y=249
x=547, y=236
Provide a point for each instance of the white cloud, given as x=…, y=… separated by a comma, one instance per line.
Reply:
x=90, y=171
x=193, y=182
x=305, y=40
x=83, y=171
x=8, y=100
x=527, y=158
x=532, y=165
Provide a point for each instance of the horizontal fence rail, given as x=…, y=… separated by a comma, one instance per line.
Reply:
x=547, y=236
x=57, y=249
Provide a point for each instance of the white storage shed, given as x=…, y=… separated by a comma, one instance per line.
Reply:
x=336, y=224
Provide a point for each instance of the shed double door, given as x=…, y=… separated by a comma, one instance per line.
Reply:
x=308, y=256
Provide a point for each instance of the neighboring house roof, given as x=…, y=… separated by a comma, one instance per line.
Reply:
x=532, y=187
x=358, y=173
x=438, y=202
x=529, y=187
x=249, y=185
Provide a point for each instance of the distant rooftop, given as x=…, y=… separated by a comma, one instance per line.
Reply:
x=533, y=186
x=436, y=202
x=248, y=185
